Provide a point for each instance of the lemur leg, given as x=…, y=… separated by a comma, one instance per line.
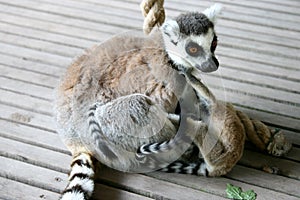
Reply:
x=81, y=178
x=223, y=144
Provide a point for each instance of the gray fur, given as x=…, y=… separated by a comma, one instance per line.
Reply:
x=194, y=23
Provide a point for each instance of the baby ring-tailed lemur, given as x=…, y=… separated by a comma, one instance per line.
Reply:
x=120, y=95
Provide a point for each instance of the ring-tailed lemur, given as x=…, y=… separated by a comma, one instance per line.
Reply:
x=120, y=95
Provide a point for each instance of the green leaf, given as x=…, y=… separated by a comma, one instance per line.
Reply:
x=249, y=195
x=235, y=192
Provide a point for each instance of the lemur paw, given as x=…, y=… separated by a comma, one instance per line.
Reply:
x=203, y=171
x=278, y=146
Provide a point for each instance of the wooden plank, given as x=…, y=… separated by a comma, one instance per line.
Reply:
x=104, y=7
x=258, y=103
x=54, y=27
x=34, y=55
x=258, y=68
x=28, y=76
x=232, y=16
x=26, y=102
x=39, y=45
x=31, y=32
x=106, y=192
x=154, y=188
x=35, y=155
x=246, y=10
x=217, y=185
x=265, y=180
x=251, y=36
x=259, y=58
x=294, y=154
x=286, y=97
x=259, y=29
x=33, y=175
x=60, y=18
x=33, y=136
x=23, y=64
x=81, y=14
x=31, y=90
x=16, y=190
x=259, y=47
x=34, y=119
x=286, y=2
x=239, y=8
x=269, y=6
x=258, y=161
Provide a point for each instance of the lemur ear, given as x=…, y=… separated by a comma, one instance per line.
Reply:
x=171, y=30
x=213, y=12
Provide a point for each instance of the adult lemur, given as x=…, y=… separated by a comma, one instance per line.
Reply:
x=123, y=93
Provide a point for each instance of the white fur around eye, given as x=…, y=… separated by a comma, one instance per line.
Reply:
x=213, y=12
x=204, y=40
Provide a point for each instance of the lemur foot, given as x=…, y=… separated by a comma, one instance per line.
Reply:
x=278, y=146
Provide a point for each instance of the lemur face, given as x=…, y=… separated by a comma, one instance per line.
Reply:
x=191, y=41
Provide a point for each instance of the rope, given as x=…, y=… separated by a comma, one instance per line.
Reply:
x=266, y=139
x=154, y=13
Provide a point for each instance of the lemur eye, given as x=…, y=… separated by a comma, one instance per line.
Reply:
x=193, y=49
x=214, y=44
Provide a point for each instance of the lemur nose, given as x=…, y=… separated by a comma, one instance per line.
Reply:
x=208, y=66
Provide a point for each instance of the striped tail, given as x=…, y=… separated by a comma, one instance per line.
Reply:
x=161, y=147
x=180, y=167
x=81, y=178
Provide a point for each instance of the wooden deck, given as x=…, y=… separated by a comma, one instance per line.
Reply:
x=259, y=53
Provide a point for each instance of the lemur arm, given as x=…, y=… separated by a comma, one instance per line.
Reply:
x=201, y=89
